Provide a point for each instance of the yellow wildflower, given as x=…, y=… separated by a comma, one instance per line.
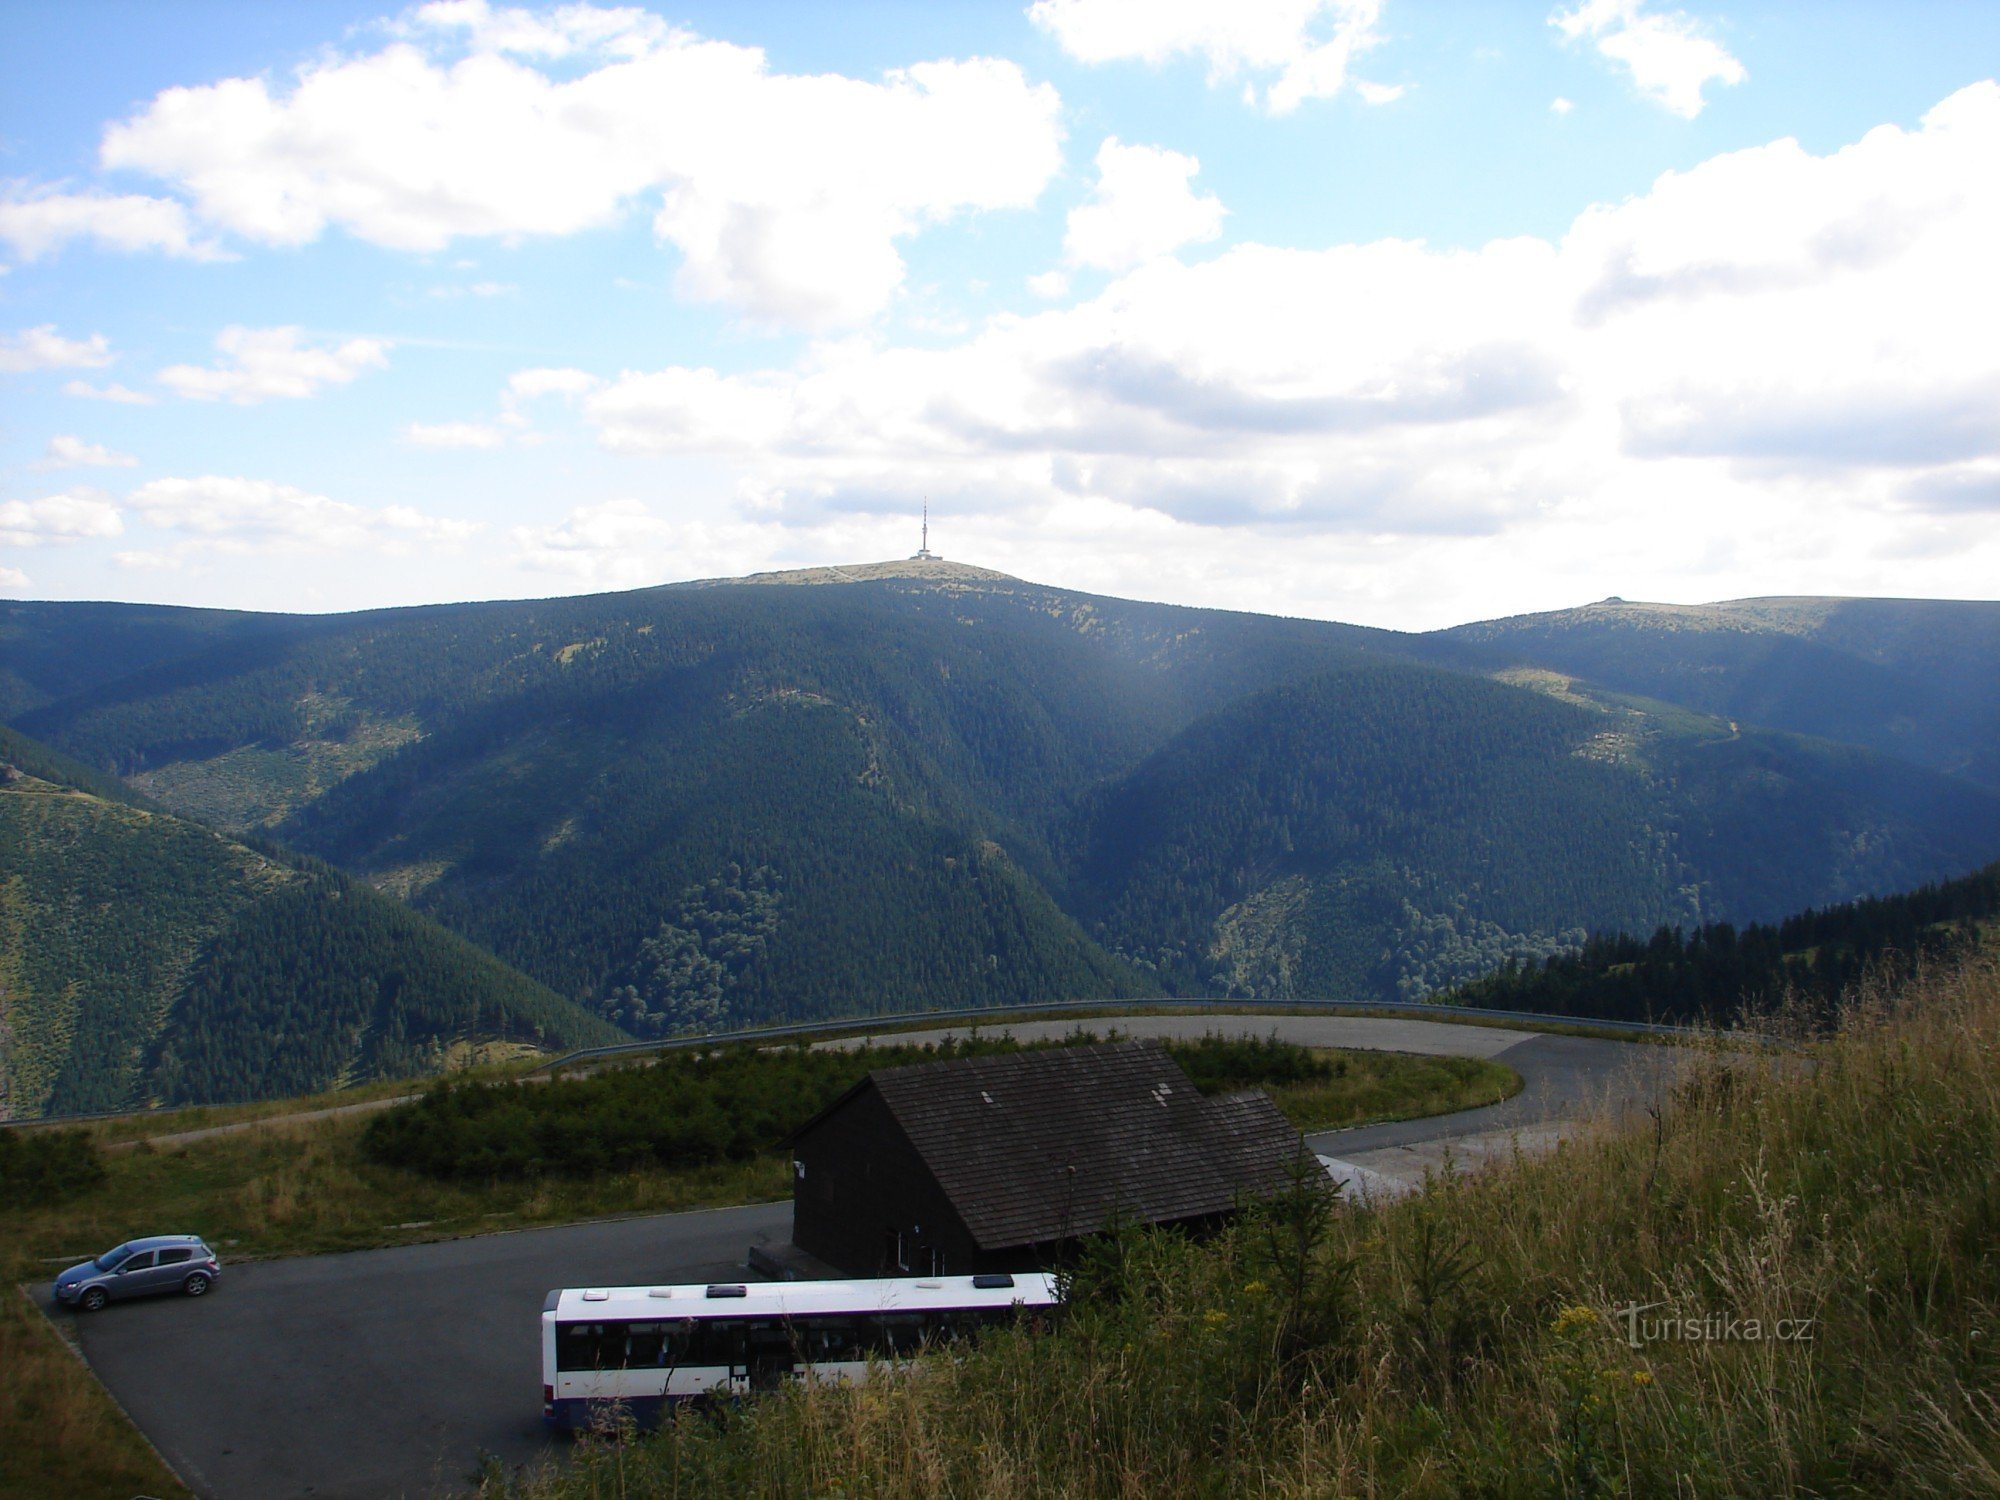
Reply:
x=1574, y=1319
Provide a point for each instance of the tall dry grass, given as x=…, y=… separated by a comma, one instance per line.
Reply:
x=1469, y=1342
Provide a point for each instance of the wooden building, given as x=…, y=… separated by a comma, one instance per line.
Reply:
x=995, y=1163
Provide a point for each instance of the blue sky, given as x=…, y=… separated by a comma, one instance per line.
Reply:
x=1404, y=314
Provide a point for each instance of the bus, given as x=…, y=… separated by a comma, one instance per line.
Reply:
x=637, y=1350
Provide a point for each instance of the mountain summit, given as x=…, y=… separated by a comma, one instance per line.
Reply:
x=926, y=569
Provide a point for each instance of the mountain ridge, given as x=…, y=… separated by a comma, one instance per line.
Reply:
x=939, y=785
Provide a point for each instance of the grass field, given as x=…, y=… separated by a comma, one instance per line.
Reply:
x=289, y=1184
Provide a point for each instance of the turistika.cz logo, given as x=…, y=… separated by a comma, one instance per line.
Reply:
x=1706, y=1328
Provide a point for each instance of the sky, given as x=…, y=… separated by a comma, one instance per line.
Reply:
x=1370, y=310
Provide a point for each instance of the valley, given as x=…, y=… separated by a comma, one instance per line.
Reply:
x=927, y=785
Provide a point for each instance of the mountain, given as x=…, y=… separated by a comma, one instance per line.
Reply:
x=897, y=786
x=1392, y=829
x=144, y=957
x=1914, y=678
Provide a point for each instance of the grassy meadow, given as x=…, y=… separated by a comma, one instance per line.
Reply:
x=1785, y=1283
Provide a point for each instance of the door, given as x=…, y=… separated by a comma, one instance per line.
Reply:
x=773, y=1354
x=173, y=1268
x=135, y=1277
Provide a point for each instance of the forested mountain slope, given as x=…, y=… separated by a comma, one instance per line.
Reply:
x=920, y=784
x=600, y=788
x=1391, y=829
x=144, y=957
x=1915, y=678
x=1718, y=973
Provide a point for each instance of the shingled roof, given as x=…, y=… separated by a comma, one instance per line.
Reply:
x=1037, y=1146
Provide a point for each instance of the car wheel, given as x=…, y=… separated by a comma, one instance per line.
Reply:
x=196, y=1285
x=93, y=1299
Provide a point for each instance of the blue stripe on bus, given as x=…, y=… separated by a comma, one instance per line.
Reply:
x=582, y=1414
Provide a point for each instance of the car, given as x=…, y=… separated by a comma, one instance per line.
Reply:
x=162, y=1263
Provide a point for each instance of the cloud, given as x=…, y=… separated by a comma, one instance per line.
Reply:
x=1309, y=45
x=1970, y=487
x=544, y=381
x=623, y=543
x=78, y=515
x=616, y=542
x=1773, y=359
x=1667, y=55
x=455, y=435
x=121, y=395
x=42, y=348
x=14, y=581
x=65, y=452
x=241, y=516
x=567, y=31
x=1143, y=206
x=785, y=195
x=262, y=364
x=39, y=223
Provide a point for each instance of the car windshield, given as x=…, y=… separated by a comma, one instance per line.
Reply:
x=111, y=1260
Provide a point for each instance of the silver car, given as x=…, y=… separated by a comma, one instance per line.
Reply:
x=137, y=1268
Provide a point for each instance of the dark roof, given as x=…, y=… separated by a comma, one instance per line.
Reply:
x=1036, y=1146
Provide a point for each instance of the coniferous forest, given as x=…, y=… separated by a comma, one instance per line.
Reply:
x=1721, y=975
x=149, y=959
x=693, y=808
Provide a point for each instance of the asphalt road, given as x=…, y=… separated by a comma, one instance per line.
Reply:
x=392, y=1372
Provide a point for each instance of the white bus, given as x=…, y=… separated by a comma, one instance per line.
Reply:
x=637, y=1348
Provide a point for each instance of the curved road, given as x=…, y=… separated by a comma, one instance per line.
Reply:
x=393, y=1372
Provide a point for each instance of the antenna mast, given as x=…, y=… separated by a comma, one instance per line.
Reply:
x=924, y=553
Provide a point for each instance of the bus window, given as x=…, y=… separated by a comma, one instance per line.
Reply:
x=830, y=1341
x=581, y=1346
x=902, y=1334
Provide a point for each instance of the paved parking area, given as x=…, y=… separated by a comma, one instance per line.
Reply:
x=387, y=1373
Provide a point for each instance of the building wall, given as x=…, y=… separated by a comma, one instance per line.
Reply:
x=861, y=1195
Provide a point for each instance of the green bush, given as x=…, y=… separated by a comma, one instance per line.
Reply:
x=691, y=1109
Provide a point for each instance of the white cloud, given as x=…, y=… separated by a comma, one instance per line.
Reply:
x=40, y=223
x=14, y=581
x=81, y=514
x=544, y=381
x=1560, y=105
x=122, y=395
x=455, y=435
x=624, y=543
x=1668, y=55
x=566, y=31
x=1049, y=285
x=1143, y=206
x=619, y=542
x=262, y=364
x=235, y=515
x=1310, y=45
x=1795, y=357
x=784, y=194
x=42, y=348
x=66, y=452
